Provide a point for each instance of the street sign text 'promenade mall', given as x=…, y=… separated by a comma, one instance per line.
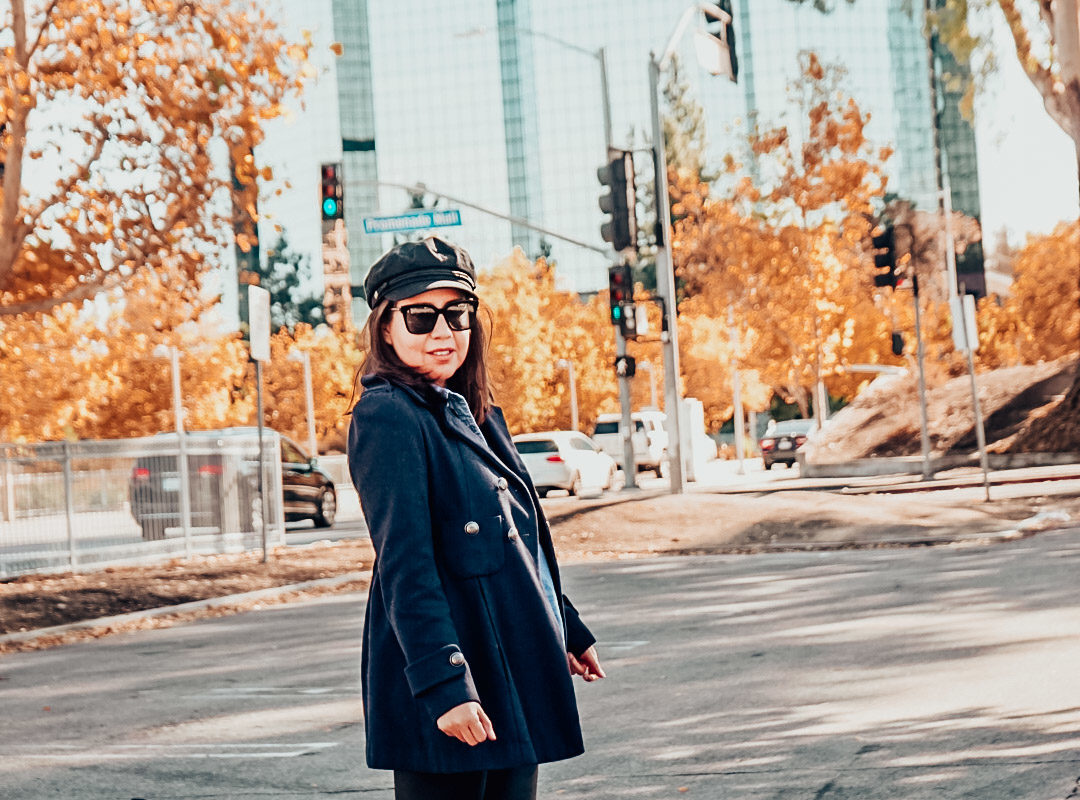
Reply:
x=412, y=222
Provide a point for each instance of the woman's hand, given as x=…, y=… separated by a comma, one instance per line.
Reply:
x=588, y=666
x=467, y=723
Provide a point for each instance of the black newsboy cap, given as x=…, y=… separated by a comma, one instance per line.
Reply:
x=410, y=268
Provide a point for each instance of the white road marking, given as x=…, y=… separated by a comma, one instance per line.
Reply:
x=121, y=752
x=618, y=647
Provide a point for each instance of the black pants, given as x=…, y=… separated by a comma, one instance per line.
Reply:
x=517, y=783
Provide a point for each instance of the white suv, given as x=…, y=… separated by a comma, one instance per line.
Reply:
x=650, y=439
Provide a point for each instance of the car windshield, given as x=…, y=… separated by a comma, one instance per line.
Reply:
x=536, y=446
x=792, y=426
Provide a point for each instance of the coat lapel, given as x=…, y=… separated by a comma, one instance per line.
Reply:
x=495, y=455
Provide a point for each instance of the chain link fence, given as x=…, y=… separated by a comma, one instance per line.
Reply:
x=72, y=505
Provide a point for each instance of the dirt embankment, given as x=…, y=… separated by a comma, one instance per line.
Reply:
x=1025, y=409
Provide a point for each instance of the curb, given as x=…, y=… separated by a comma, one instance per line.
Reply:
x=194, y=605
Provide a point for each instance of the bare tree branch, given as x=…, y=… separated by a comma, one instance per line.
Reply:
x=41, y=31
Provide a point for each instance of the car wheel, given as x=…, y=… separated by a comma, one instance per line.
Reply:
x=153, y=530
x=327, y=509
x=575, y=485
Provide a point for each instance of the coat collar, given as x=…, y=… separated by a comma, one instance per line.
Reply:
x=497, y=448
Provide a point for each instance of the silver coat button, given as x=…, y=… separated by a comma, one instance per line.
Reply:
x=472, y=528
x=501, y=483
x=512, y=534
x=457, y=659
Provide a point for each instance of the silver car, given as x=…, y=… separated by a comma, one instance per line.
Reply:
x=567, y=460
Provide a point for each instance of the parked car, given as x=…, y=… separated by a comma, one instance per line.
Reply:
x=782, y=439
x=649, y=438
x=225, y=486
x=566, y=460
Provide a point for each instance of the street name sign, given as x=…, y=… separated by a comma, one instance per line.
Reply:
x=412, y=222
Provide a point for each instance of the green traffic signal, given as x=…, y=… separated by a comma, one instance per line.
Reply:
x=329, y=208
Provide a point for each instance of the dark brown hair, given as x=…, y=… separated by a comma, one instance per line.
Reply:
x=471, y=380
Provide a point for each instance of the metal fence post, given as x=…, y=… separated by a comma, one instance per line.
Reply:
x=69, y=503
x=7, y=496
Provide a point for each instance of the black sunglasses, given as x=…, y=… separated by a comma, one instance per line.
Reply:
x=423, y=317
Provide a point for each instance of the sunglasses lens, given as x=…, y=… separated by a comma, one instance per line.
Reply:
x=420, y=320
x=458, y=317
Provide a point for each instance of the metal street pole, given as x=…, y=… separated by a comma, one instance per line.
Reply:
x=304, y=357
x=665, y=269
x=980, y=433
x=665, y=286
x=924, y=426
x=568, y=365
x=736, y=390
x=173, y=354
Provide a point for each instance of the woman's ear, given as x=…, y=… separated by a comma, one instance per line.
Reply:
x=385, y=329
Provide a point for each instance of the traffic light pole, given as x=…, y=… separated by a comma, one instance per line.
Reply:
x=665, y=286
x=626, y=424
x=927, y=469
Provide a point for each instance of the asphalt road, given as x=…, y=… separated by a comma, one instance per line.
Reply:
x=934, y=673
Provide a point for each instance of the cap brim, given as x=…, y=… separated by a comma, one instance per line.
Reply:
x=405, y=291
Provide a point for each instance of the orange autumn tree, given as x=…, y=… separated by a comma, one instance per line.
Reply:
x=534, y=326
x=74, y=373
x=120, y=121
x=786, y=255
x=1040, y=319
x=335, y=359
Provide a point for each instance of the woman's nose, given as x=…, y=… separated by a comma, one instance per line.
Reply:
x=442, y=328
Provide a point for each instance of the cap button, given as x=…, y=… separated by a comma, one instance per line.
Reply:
x=472, y=528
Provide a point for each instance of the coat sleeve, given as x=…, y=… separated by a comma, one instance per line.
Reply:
x=578, y=637
x=388, y=464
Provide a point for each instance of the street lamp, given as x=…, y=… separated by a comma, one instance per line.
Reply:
x=304, y=357
x=665, y=269
x=599, y=54
x=173, y=354
x=567, y=364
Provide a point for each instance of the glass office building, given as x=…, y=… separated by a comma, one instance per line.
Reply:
x=495, y=106
x=886, y=58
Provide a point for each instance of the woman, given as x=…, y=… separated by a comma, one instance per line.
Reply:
x=469, y=645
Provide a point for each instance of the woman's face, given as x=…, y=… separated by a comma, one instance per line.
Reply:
x=436, y=355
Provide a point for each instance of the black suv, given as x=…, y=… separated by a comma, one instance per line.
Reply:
x=224, y=486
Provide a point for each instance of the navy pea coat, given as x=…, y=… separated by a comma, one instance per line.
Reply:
x=456, y=609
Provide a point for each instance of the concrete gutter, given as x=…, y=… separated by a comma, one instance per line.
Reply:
x=912, y=465
x=181, y=608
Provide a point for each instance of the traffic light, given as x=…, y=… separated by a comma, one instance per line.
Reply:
x=716, y=43
x=884, y=245
x=620, y=201
x=333, y=201
x=625, y=366
x=621, y=299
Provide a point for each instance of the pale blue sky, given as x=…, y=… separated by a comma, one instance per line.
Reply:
x=1027, y=164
